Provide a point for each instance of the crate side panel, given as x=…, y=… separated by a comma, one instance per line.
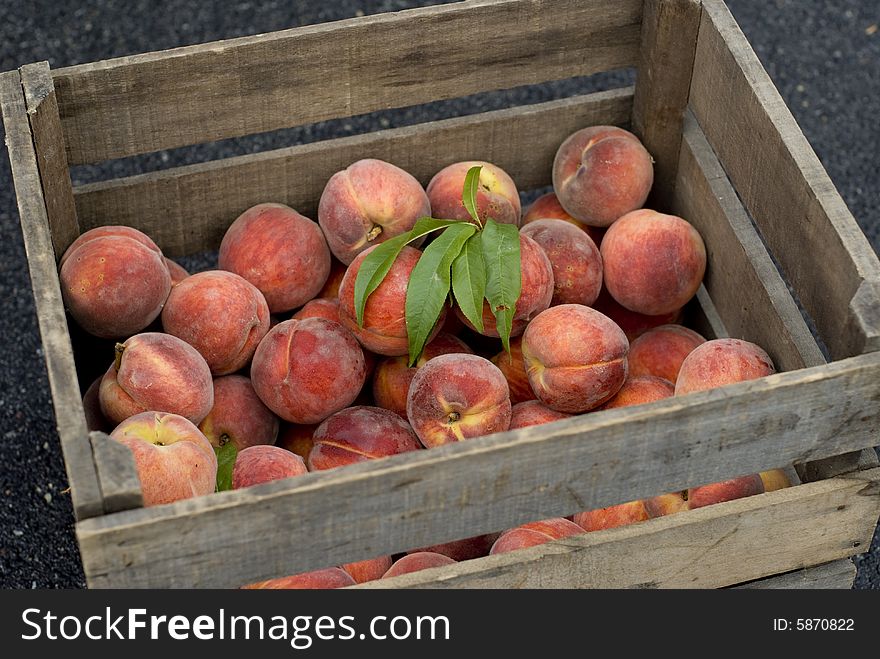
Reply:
x=223, y=89
x=838, y=574
x=188, y=209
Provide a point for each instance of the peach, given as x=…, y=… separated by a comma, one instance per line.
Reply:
x=457, y=397
x=463, y=550
x=612, y=516
x=722, y=361
x=369, y=570
x=329, y=578
x=514, y=370
x=420, y=560
x=282, y=253
x=95, y=419
x=574, y=257
x=653, y=263
x=331, y=286
x=536, y=292
x=157, y=372
x=660, y=351
x=114, y=281
x=497, y=196
x=305, y=370
x=533, y=413
x=667, y=504
x=601, y=173
x=173, y=459
x=705, y=495
x=366, y=204
x=178, y=272
x=547, y=207
x=263, y=463
x=575, y=357
x=393, y=376
x=535, y=533
x=633, y=324
x=238, y=415
x=775, y=479
x=357, y=434
x=221, y=315
x=297, y=438
x=384, y=328
x=320, y=307
x=640, y=389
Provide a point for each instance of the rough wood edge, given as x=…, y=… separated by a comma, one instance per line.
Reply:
x=666, y=60
x=838, y=574
x=710, y=547
x=117, y=475
x=425, y=497
x=69, y=415
x=224, y=89
x=838, y=465
x=750, y=295
x=729, y=79
x=49, y=143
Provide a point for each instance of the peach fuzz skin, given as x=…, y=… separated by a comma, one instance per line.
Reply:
x=633, y=324
x=456, y=397
x=705, y=495
x=661, y=351
x=305, y=370
x=366, y=204
x=722, y=361
x=547, y=207
x=360, y=433
x=533, y=413
x=463, y=550
x=653, y=263
x=221, y=315
x=601, y=173
x=173, y=459
x=639, y=389
x=263, y=463
x=574, y=257
x=393, y=376
x=238, y=415
x=297, y=438
x=114, y=281
x=384, y=326
x=575, y=358
x=612, y=516
x=329, y=578
x=415, y=562
x=514, y=370
x=535, y=533
x=497, y=196
x=156, y=372
x=282, y=253
x=368, y=570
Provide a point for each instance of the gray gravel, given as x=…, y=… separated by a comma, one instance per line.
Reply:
x=823, y=56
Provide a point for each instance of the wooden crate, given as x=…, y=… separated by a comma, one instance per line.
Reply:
x=726, y=148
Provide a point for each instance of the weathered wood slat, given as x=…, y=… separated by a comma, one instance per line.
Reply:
x=42, y=108
x=740, y=277
x=784, y=186
x=223, y=89
x=456, y=491
x=709, y=547
x=69, y=416
x=188, y=209
x=836, y=574
x=117, y=476
x=666, y=60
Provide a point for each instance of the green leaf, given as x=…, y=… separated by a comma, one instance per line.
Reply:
x=429, y=285
x=378, y=262
x=226, y=455
x=469, y=280
x=500, y=243
x=469, y=193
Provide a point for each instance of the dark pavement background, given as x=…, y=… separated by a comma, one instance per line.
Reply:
x=823, y=56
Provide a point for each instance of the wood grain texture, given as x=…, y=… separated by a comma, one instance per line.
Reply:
x=709, y=547
x=806, y=224
x=741, y=279
x=188, y=209
x=117, y=476
x=69, y=415
x=42, y=109
x=223, y=89
x=834, y=575
x=666, y=60
x=456, y=491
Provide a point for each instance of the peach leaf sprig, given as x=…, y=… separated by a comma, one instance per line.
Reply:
x=467, y=263
x=226, y=454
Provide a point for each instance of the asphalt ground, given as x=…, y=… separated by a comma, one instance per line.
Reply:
x=823, y=56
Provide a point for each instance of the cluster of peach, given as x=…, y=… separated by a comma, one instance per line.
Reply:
x=265, y=351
